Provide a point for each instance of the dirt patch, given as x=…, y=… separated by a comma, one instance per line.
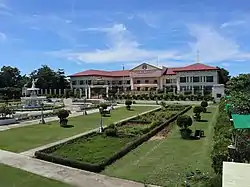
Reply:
x=163, y=133
x=157, y=138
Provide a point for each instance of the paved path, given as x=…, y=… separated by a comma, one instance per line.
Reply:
x=49, y=119
x=31, y=152
x=72, y=176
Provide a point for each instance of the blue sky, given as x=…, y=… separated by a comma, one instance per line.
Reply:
x=77, y=35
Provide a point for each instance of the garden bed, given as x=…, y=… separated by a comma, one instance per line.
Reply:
x=95, y=151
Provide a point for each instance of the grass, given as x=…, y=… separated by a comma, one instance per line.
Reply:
x=13, y=177
x=94, y=149
x=165, y=162
x=25, y=138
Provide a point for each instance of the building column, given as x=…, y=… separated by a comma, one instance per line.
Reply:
x=41, y=91
x=74, y=91
x=192, y=90
x=89, y=93
x=55, y=91
x=178, y=85
x=46, y=91
x=132, y=83
x=64, y=91
x=86, y=92
x=161, y=82
x=60, y=92
x=80, y=92
x=202, y=91
x=107, y=91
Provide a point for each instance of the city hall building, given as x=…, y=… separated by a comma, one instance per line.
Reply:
x=146, y=77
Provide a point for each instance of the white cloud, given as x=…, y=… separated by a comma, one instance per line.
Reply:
x=232, y=23
x=213, y=46
x=122, y=48
x=152, y=20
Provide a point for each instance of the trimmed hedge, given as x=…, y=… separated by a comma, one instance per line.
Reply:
x=44, y=154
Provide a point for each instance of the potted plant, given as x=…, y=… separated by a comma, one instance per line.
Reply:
x=184, y=122
x=62, y=115
x=128, y=104
x=204, y=104
x=197, y=112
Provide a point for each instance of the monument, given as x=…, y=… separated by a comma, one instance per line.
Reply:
x=33, y=101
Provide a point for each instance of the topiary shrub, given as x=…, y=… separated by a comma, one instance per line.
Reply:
x=204, y=104
x=197, y=111
x=128, y=104
x=111, y=132
x=62, y=115
x=184, y=122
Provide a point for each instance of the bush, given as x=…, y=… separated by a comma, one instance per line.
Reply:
x=204, y=104
x=184, y=121
x=197, y=111
x=5, y=111
x=163, y=104
x=128, y=104
x=62, y=115
x=111, y=132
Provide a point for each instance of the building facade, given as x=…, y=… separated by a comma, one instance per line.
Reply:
x=195, y=78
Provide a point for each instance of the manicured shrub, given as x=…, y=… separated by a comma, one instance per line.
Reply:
x=163, y=104
x=111, y=132
x=128, y=104
x=184, y=122
x=62, y=115
x=197, y=111
x=204, y=104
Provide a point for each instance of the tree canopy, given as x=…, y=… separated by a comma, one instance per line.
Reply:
x=240, y=83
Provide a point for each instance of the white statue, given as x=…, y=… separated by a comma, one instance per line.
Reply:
x=34, y=83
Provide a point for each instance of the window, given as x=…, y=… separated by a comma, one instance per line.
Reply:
x=108, y=82
x=209, y=88
x=89, y=82
x=183, y=79
x=128, y=81
x=168, y=81
x=183, y=88
x=138, y=88
x=120, y=82
x=218, y=95
x=138, y=82
x=155, y=81
x=113, y=82
x=73, y=82
x=209, y=79
x=146, y=81
x=196, y=79
x=81, y=82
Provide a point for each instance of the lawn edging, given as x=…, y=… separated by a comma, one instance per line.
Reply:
x=44, y=153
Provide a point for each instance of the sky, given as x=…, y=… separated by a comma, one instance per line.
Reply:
x=77, y=35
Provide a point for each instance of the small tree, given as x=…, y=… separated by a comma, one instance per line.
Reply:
x=204, y=104
x=62, y=115
x=128, y=104
x=184, y=122
x=197, y=111
x=5, y=111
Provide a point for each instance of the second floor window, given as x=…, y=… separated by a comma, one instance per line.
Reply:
x=138, y=81
x=81, y=82
x=128, y=81
x=209, y=79
x=146, y=81
x=73, y=82
x=89, y=82
x=155, y=81
x=196, y=79
x=120, y=82
x=168, y=81
x=183, y=79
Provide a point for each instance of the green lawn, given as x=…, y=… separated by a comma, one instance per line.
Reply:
x=94, y=149
x=165, y=162
x=25, y=138
x=13, y=177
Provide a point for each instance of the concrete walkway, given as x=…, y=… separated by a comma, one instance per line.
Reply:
x=49, y=119
x=31, y=152
x=72, y=176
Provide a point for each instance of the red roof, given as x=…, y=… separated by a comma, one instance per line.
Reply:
x=197, y=67
x=126, y=73
x=120, y=73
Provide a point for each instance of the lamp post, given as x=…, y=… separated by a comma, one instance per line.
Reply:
x=101, y=120
x=42, y=116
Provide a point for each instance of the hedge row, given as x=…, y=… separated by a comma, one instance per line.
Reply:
x=222, y=138
x=44, y=154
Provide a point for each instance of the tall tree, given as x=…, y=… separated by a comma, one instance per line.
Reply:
x=49, y=79
x=10, y=77
x=223, y=76
x=240, y=83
